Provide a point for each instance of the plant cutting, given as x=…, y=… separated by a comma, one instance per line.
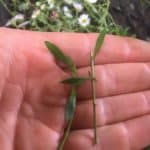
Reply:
x=99, y=43
x=75, y=81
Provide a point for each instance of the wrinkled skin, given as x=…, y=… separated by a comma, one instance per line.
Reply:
x=32, y=100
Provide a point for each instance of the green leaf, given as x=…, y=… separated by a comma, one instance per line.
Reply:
x=99, y=43
x=75, y=81
x=70, y=106
x=59, y=55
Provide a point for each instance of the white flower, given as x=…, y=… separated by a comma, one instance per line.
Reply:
x=84, y=20
x=77, y=6
x=66, y=9
x=68, y=1
x=58, y=9
x=92, y=1
x=132, y=6
x=67, y=12
x=18, y=17
x=69, y=15
x=8, y=23
x=43, y=7
x=50, y=3
x=37, y=3
x=35, y=14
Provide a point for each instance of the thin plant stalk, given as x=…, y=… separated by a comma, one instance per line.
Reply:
x=67, y=130
x=93, y=54
x=94, y=99
x=65, y=137
x=76, y=81
x=6, y=7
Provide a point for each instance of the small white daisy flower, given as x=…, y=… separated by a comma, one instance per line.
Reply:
x=67, y=12
x=69, y=1
x=84, y=20
x=38, y=3
x=18, y=17
x=69, y=15
x=77, y=6
x=35, y=14
x=132, y=6
x=8, y=23
x=43, y=7
x=92, y=1
x=50, y=3
x=66, y=9
x=58, y=9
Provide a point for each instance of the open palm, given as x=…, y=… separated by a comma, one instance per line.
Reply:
x=32, y=100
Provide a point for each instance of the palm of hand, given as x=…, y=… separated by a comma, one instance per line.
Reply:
x=33, y=100
x=32, y=111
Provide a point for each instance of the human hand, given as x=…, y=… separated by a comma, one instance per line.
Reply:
x=32, y=99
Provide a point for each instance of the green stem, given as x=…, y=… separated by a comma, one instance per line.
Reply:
x=67, y=131
x=5, y=6
x=94, y=99
x=61, y=145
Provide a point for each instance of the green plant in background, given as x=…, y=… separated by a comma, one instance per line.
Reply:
x=64, y=15
x=145, y=2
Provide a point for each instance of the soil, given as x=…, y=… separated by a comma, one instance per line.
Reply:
x=4, y=15
x=127, y=13
x=132, y=14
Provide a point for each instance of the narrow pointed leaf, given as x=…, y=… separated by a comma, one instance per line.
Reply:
x=70, y=106
x=59, y=55
x=99, y=43
x=75, y=81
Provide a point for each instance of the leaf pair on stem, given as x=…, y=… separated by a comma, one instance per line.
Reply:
x=75, y=81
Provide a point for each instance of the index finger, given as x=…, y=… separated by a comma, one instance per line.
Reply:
x=115, y=49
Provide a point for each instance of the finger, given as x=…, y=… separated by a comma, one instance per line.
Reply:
x=5, y=57
x=130, y=135
x=112, y=109
x=10, y=103
x=9, y=107
x=13, y=69
x=114, y=50
x=115, y=79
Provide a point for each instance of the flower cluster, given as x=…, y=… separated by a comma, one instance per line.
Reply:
x=65, y=15
x=83, y=20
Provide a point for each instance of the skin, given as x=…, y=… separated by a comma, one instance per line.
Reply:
x=32, y=100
